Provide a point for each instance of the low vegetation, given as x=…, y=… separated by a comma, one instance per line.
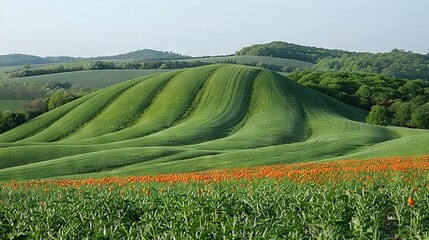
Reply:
x=397, y=63
x=105, y=65
x=43, y=97
x=291, y=51
x=353, y=199
x=406, y=102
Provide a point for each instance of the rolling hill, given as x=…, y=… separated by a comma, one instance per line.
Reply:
x=215, y=116
x=145, y=54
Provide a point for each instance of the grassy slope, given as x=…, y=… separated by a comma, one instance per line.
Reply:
x=214, y=116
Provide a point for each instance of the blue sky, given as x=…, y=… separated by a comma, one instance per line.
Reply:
x=207, y=27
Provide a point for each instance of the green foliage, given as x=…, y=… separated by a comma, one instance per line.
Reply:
x=42, y=71
x=401, y=97
x=94, y=79
x=236, y=209
x=420, y=117
x=377, y=115
x=105, y=65
x=44, y=96
x=32, y=90
x=60, y=97
x=281, y=64
x=291, y=51
x=397, y=63
x=9, y=120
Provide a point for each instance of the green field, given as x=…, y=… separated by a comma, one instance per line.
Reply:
x=284, y=62
x=383, y=198
x=94, y=78
x=11, y=104
x=209, y=117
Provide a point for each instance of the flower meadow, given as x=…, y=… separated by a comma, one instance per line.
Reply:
x=383, y=198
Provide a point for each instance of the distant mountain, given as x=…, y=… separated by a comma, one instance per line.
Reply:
x=140, y=55
x=20, y=59
x=145, y=54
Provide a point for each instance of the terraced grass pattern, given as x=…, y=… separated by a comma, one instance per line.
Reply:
x=209, y=117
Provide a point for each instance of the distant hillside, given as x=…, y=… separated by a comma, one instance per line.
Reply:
x=20, y=59
x=292, y=51
x=145, y=54
x=397, y=63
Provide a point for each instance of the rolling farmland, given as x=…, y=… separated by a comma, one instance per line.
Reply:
x=196, y=119
x=93, y=79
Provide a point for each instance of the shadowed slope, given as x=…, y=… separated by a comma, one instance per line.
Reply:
x=208, y=117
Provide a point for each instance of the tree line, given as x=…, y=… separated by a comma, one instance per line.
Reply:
x=106, y=65
x=397, y=63
x=292, y=51
x=46, y=97
x=405, y=102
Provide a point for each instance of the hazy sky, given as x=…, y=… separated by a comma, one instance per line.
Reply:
x=209, y=27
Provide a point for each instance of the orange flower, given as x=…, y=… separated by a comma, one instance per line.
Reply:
x=410, y=201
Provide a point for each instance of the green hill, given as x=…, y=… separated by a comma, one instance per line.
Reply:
x=20, y=59
x=215, y=116
x=145, y=54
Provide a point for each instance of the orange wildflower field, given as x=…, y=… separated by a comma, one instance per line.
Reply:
x=383, y=198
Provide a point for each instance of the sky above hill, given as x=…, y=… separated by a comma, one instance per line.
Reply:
x=205, y=27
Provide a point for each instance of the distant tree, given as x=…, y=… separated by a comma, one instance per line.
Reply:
x=60, y=97
x=420, y=117
x=403, y=114
x=9, y=120
x=377, y=115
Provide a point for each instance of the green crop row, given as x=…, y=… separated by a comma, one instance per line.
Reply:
x=236, y=209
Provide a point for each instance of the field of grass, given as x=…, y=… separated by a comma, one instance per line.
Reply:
x=93, y=79
x=256, y=59
x=210, y=117
x=11, y=105
x=383, y=198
